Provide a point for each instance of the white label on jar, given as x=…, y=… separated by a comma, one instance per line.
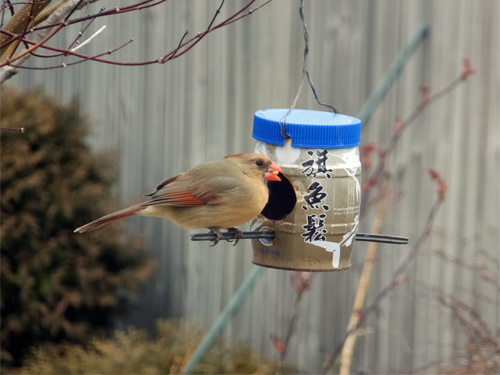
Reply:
x=334, y=247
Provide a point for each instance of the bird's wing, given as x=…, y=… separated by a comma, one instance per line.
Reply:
x=162, y=184
x=183, y=190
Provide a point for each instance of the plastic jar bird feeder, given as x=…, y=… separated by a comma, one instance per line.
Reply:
x=314, y=210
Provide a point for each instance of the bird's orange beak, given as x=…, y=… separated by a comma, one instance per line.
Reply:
x=272, y=172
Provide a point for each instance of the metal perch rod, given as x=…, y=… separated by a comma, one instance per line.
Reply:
x=270, y=234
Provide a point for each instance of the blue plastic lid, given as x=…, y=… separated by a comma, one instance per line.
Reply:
x=307, y=128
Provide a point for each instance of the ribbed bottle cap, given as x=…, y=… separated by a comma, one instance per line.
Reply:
x=306, y=128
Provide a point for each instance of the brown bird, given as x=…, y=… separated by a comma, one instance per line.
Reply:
x=217, y=195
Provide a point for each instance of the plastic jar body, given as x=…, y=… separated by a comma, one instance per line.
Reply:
x=318, y=234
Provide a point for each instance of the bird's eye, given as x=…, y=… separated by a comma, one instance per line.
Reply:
x=259, y=163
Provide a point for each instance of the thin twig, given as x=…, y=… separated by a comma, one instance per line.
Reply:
x=82, y=31
x=215, y=15
x=485, y=273
x=172, y=54
x=84, y=58
x=15, y=130
x=89, y=39
x=10, y=7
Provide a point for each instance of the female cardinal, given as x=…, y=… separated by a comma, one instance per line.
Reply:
x=215, y=195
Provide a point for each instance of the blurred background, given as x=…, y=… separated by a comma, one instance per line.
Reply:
x=163, y=119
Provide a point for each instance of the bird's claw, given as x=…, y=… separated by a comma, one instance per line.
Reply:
x=237, y=235
x=218, y=236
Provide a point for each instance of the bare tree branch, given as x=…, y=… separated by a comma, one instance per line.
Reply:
x=52, y=20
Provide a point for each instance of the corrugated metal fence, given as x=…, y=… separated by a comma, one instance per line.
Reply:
x=164, y=119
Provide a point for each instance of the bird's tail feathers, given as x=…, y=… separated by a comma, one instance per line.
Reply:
x=126, y=212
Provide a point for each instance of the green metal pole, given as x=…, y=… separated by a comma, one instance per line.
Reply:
x=392, y=74
x=232, y=306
